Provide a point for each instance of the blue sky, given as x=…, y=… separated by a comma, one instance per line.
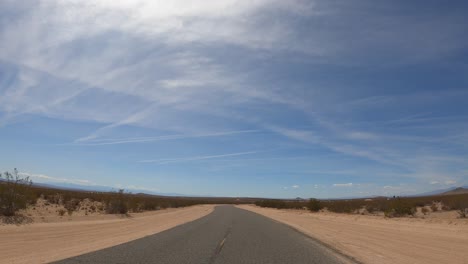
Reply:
x=237, y=98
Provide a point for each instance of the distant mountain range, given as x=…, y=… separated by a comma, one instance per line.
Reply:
x=447, y=191
x=459, y=190
x=99, y=188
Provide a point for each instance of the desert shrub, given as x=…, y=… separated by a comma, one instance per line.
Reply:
x=419, y=203
x=392, y=207
x=462, y=208
x=463, y=213
x=400, y=207
x=145, y=206
x=134, y=205
x=71, y=205
x=434, y=207
x=118, y=204
x=424, y=210
x=54, y=198
x=370, y=209
x=343, y=206
x=314, y=205
x=62, y=212
x=279, y=204
x=14, y=193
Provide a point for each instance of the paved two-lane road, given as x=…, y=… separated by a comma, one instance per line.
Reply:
x=227, y=235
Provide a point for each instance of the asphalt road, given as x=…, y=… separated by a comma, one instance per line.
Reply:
x=227, y=235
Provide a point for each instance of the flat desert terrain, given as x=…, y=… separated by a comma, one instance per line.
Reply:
x=61, y=237
x=374, y=239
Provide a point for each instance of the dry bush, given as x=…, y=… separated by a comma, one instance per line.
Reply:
x=424, y=210
x=54, y=198
x=14, y=193
x=400, y=207
x=342, y=206
x=118, y=204
x=134, y=202
x=314, y=205
x=71, y=205
x=282, y=204
x=279, y=204
x=462, y=208
x=463, y=213
x=392, y=207
x=16, y=219
x=62, y=212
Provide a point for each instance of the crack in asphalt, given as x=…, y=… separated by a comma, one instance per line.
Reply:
x=220, y=246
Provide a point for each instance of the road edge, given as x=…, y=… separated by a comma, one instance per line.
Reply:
x=340, y=254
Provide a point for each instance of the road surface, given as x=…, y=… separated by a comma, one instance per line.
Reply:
x=227, y=235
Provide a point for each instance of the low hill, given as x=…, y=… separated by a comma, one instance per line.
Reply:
x=459, y=190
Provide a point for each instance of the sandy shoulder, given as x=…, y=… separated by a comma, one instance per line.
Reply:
x=378, y=240
x=46, y=242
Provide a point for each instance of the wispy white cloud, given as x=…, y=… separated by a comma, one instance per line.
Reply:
x=362, y=135
x=295, y=186
x=47, y=178
x=343, y=184
x=191, y=81
x=166, y=161
x=391, y=151
x=114, y=141
x=302, y=135
x=336, y=143
x=123, y=67
x=444, y=182
x=139, y=188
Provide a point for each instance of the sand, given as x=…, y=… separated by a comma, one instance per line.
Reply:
x=439, y=238
x=58, y=238
x=374, y=239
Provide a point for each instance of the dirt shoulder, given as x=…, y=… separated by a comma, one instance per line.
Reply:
x=373, y=239
x=46, y=242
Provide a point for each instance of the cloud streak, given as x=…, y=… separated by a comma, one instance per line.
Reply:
x=343, y=184
x=109, y=141
x=196, y=158
x=325, y=84
x=46, y=178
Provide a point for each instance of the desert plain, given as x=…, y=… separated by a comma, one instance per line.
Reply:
x=438, y=238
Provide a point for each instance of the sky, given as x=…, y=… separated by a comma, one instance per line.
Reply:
x=263, y=98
